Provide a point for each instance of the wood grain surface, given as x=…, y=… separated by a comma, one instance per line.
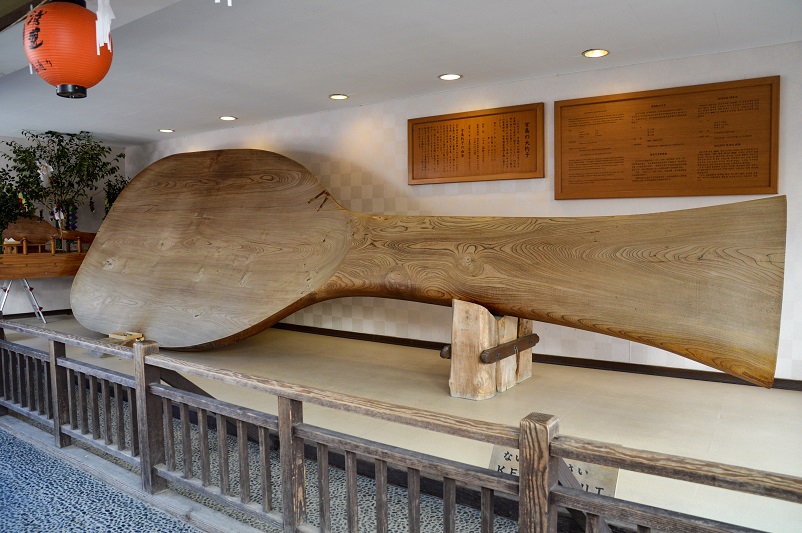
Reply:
x=38, y=262
x=39, y=265
x=206, y=248
x=202, y=249
x=473, y=330
x=714, y=474
x=523, y=367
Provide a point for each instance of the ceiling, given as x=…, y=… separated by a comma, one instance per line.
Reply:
x=181, y=64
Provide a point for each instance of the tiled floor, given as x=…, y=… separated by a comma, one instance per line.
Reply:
x=736, y=424
x=34, y=499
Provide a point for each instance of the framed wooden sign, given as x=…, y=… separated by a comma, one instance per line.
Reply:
x=493, y=144
x=719, y=138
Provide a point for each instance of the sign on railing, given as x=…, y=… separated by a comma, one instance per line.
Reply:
x=593, y=478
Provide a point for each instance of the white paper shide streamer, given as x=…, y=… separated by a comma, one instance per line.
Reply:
x=103, y=24
x=45, y=171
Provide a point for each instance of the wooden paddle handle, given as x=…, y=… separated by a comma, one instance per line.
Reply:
x=703, y=283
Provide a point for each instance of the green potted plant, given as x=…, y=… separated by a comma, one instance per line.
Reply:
x=57, y=170
x=113, y=188
x=11, y=208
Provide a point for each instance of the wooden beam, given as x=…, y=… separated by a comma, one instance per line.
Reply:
x=13, y=11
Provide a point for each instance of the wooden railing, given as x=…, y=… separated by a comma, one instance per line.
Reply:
x=293, y=433
x=134, y=418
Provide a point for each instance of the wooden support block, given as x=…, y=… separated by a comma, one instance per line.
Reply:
x=507, y=368
x=474, y=329
x=524, y=363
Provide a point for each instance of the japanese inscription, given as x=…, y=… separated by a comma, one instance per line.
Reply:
x=709, y=139
x=33, y=38
x=502, y=143
x=34, y=21
x=593, y=478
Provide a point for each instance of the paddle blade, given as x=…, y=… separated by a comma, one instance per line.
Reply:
x=205, y=248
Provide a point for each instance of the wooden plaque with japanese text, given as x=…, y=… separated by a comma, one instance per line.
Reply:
x=713, y=139
x=492, y=144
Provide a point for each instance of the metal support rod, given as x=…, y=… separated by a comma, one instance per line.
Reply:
x=491, y=355
x=497, y=353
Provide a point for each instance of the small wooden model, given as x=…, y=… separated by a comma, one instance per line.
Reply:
x=30, y=251
x=203, y=249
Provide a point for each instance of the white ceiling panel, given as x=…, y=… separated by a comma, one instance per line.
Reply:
x=182, y=64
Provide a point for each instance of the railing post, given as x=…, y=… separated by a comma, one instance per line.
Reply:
x=538, y=474
x=3, y=370
x=150, y=416
x=60, y=389
x=291, y=453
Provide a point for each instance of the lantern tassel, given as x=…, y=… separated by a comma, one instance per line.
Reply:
x=103, y=24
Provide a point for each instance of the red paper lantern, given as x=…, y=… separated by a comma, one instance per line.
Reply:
x=60, y=44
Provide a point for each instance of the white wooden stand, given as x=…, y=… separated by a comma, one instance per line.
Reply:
x=474, y=329
x=6, y=288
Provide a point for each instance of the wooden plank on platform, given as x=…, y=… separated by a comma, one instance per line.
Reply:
x=507, y=368
x=473, y=329
x=523, y=368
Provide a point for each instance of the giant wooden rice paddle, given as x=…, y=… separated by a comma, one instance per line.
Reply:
x=203, y=249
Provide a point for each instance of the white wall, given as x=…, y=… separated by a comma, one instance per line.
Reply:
x=360, y=155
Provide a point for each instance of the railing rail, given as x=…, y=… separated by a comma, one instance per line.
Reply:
x=470, y=475
x=250, y=416
x=75, y=396
x=25, y=350
x=66, y=338
x=748, y=480
x=419, y=418
x=646, y=516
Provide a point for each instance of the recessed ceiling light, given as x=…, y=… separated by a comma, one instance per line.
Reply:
x=449, y=77
x=338, y=96
x=228, y=117
x=166, y=130
x=595, y=52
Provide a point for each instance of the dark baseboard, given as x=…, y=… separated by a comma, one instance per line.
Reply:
x=33, y=315
x=400, y=341
x=649, y=370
